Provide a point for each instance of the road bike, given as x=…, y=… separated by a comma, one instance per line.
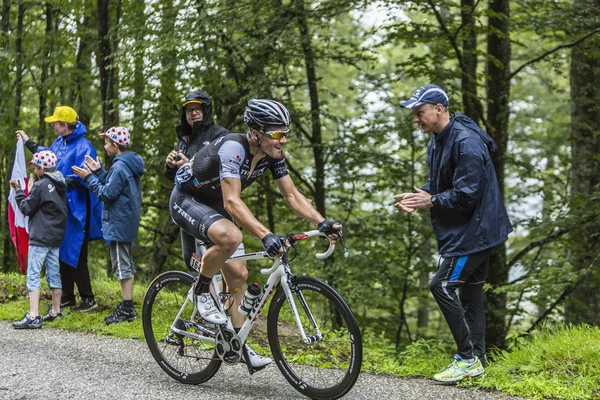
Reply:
x=313, y=335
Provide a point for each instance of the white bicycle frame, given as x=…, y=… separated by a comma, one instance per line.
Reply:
x=278, y=274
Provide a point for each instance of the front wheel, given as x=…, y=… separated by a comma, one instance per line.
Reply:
x=182, y=354
x=327, y=364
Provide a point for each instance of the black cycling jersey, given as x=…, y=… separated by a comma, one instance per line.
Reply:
x=226, y=157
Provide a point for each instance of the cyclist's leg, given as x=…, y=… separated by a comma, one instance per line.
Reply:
x=208, y=222
x=236, y=274
x=205, y=222
x=226, y=237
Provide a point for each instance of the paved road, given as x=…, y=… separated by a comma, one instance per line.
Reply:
x=55, y=364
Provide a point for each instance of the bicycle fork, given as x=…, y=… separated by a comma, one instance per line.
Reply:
x=289, y=291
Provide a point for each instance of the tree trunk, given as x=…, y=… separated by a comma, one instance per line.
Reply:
x=83, y=86
x=423, y=307
x=168, y=75
x=4, y=67
x=498, y=90
x=106, y=51
x=46, y=52
x=9, y=257
x=583, y=304
x=471, y=105
x=315, y=111
x=139, y=80
x=548, y=193
x=5, y=81
x=4, y=23
x=19, y=66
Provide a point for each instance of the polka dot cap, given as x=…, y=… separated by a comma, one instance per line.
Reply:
x=44, y=159
x=119, y=135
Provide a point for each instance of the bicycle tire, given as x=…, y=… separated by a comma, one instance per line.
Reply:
x=340, y=347
x=189, y=360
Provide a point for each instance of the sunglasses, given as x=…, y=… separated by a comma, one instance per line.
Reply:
x=278, y=135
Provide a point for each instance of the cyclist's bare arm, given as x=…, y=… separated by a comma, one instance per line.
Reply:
x=235, y=206
x=297, y=201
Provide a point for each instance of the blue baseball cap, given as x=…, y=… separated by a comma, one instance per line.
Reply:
x=431, y=94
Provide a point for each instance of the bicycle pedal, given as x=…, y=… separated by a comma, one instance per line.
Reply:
x=252, y=370
x=174, y=339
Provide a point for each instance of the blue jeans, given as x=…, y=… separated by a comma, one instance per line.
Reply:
x=35, y=260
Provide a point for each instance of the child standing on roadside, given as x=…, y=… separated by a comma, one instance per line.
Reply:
x=120, y=190
x=46, y=207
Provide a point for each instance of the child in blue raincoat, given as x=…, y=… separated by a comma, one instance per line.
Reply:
x=120, y=190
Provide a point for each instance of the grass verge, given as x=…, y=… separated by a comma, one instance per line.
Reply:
x=560, y=363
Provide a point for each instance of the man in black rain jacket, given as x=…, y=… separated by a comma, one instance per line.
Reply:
x=468, y=217
x=197, y=129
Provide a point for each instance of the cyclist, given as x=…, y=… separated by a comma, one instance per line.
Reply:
x=207, y=199
x=197, y=129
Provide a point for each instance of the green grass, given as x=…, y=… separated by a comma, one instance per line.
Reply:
x=420, y=358
x=14, y=305
x=561, y=363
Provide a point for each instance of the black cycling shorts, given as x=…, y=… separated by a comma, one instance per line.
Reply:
x=193, y=216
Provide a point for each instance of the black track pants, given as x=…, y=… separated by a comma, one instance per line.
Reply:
x=79, y=276
x=464, y=311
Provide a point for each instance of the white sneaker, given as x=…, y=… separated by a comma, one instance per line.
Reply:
x=256, y=360
x=208, y=309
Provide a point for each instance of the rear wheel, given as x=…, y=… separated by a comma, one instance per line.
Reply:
x=328, y=366
x=188, y=360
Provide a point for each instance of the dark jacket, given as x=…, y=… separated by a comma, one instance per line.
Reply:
x=471, y=216
x=46, y=207
x=121, y=191
x=192, y=139
x=72, y=151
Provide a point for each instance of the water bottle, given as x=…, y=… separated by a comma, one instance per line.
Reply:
x=250, y=299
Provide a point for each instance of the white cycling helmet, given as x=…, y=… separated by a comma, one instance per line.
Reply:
x=261, y=113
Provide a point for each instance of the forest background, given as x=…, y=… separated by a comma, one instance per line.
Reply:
x=527, y=71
